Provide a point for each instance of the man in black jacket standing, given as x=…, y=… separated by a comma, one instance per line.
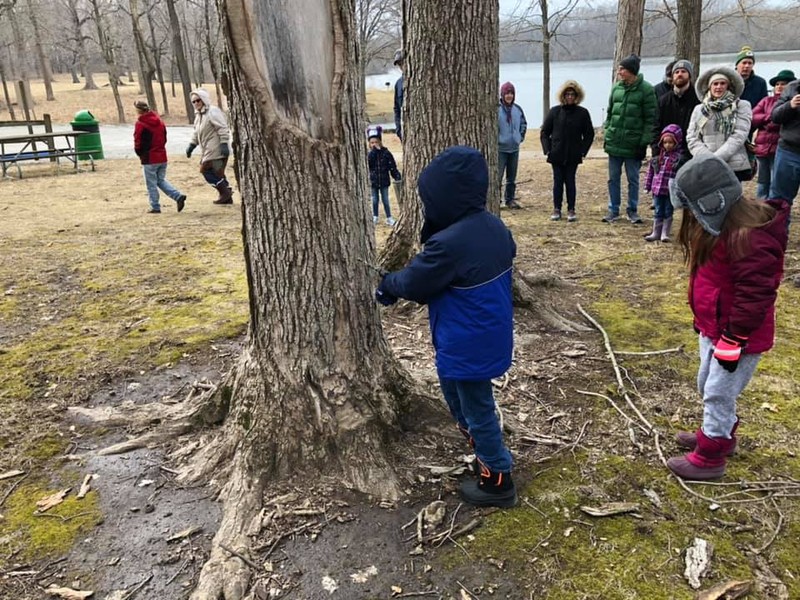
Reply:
x=676, y=106
x=786, y=169
x=398, y=95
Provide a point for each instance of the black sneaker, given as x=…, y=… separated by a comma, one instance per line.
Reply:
x=181, y=202
x=634, y=218
x=610, y=217
x=514, y=205
x=490, y=489
x=154, y=211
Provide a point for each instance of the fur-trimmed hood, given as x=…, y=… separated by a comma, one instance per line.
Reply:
x=737, y=83
x=570, y=83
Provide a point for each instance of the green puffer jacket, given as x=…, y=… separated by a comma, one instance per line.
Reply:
x=629, y=121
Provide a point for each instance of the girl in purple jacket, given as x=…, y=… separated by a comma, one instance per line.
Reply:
x=662, y=170
x=734, y=249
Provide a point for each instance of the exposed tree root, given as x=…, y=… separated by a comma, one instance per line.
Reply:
x=527, y=294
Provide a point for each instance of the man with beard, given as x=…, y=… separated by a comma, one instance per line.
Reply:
x=675, y=107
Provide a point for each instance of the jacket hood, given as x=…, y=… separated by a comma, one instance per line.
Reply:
x=150, y=118
x=505, y=89
x=203, y=95
x=451, y=187
x=570, y=83
x=676, y=132
x=737, y=83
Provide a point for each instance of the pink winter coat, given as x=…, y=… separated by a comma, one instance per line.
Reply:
x=740, y=295
x=768, y=132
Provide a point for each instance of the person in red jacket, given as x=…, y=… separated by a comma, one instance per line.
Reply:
x=734, y=248
x=149, y=142
x=768, y=133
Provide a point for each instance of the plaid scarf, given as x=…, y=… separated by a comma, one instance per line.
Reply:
x=725, y=110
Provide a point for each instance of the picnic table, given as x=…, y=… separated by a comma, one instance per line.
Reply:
x=49, y=145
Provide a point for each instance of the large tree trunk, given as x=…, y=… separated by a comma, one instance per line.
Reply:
x=316, y=390
x=450, y=76
x=630, y=18
x=180, y=59
x=687, y=35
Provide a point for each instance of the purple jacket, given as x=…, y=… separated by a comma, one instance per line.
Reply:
x=768, y=132
x=664, y=166
x=739, y=295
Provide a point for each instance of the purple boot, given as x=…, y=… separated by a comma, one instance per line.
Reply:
x=706, y=462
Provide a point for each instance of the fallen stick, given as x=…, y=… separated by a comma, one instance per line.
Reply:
x=241, y=557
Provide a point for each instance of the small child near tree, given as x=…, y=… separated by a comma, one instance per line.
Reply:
x=662, y=170
x=381, y=166
x=734, y=248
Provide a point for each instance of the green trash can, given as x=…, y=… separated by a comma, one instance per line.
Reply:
x=88, y=145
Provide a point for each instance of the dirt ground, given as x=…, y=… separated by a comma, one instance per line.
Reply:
x=102, y=305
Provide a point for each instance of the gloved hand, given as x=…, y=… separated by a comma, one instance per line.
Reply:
x=728, y=351
x=189, y=149
x=224, y=150
x=384, y=298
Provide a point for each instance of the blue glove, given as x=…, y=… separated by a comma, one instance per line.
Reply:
x=189, y=149
x=384, y=298
x=224, y=150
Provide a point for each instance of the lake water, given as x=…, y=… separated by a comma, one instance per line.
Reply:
x=595, y=77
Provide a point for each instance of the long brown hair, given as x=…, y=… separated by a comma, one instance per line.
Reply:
x=698, y=245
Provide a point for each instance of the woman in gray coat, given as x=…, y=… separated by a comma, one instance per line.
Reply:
x=212, y=134
x=720, y=124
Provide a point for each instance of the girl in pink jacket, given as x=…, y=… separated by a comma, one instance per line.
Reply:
x=734, y=249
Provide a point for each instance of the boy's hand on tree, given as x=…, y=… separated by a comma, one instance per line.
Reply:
x=384, y=298
x=728, y=351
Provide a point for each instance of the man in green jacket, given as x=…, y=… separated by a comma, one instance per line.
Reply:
x=628, y=129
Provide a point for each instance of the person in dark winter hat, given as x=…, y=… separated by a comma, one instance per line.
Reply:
x=676, y=107
x=463, y=274
x=149, y=143
x=399, y=61
x=512, y=126
x=628, y=131
x=767, y=132
x=734, y=248
x=755, y=88
x=786, y=180
x=381, y=165
x=665, y=85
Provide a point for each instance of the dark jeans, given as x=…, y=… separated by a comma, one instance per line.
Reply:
x=472, y=405
x=384, y=195
x=508, y=163
x=564, y=177
x=664, y=209
x=764, y=176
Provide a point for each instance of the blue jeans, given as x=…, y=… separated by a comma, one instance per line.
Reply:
x=564, y=177
x=664, y=209
x=155, y=178
x=786, y=175
x=384, y=192
x=472, y=405
x=764, y=176
x=508, y=163
x=632, y=165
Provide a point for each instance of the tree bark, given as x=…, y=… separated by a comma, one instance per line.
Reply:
x=210, y=37
x=630, y=19
x=157, y=53
x=41, y=57
x=107, y=49
x=146, y=64
x=180, y=59
x=451, y=98
x=687, y=34
x=546, y=40
x=316, y=390
x=77, y=21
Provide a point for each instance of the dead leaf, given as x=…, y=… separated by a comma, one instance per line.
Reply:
x=67, y=593
x=727, y=590
x=396, y=589
x=184, y=534
x=770, y=407
x=49, y=502
x=610, y=509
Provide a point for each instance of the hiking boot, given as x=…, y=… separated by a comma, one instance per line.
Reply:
x=611, y=217
x=225, y=193
x=490, y=489
x=390, y=221
x=513, y=204
x=556, y=216
x=571, y=216
x=634, y=218
x=706, y=462
x=181, y=201
x=688, y=439
x=154, y=211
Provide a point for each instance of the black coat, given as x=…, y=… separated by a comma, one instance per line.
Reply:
x=674, y=110
x=788, y=118
x=567, y=134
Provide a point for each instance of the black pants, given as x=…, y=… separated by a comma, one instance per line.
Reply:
x=564, y=177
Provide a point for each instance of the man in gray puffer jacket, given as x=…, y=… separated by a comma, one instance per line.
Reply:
x=211, y=132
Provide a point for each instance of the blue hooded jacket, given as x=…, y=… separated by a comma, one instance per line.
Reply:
x=464, y=272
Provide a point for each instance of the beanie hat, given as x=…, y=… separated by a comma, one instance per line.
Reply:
x=398, y=57
x=144, y=106
x=709, y=188
x=784, y=75
x=374, y=131
x=745, y=52
x=631, y=63
x=684, y=64
x=717, y=77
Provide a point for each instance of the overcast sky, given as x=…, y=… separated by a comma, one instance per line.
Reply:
x=507, y=7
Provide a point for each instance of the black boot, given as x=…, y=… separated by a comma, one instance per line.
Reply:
x=225, y=193
x=490, y=489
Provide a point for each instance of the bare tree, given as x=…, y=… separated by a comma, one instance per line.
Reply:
x=442, y=62
x=107, y=48
x=688, y=28
x=41, y=56
x=630, y=18
x=210, y=36
x=147, y=67
x=378, y=28
x=78, y=17
x=180, y=58
x=158, y=52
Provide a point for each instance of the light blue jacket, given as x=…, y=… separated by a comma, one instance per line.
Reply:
x=511, y=135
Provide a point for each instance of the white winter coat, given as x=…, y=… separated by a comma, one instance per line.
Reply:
x=709, y=141
x=210, y=127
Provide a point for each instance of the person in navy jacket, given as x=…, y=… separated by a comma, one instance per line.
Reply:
x=463, y=274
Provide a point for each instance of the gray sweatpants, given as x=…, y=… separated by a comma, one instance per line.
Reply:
x=720, y=389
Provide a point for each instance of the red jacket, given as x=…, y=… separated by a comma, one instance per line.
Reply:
x=150, y=139
x=740, y=295
x=768, y=132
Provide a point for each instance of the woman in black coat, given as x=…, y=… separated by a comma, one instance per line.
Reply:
x=567, y=134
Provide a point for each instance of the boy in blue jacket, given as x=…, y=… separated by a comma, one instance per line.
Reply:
x=463, y=274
